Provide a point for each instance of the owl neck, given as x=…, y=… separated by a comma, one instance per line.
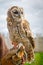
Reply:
x=18, y=22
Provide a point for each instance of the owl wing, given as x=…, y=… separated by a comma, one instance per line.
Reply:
x=26, y=27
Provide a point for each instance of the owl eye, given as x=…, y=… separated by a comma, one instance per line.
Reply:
x=15, y=12
x=21, y=12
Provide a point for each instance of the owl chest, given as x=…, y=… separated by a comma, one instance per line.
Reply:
x=15, y=30
x=20, y=31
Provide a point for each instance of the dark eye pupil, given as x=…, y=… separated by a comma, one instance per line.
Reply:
x=21, y=12
x=16, y=12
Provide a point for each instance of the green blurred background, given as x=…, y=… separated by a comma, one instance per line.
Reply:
x=38, y=59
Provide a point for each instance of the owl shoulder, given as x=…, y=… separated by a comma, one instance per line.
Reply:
x=9, y=19
x=26, y=24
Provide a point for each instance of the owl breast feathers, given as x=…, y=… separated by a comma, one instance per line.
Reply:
x=19, y=30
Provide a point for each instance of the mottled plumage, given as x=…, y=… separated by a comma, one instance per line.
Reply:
x=19, y=30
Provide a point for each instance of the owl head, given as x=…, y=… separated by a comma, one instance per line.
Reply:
x=16, y=13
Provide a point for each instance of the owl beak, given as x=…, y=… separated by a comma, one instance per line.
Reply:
x=19, y=14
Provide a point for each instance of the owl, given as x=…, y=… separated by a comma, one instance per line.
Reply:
x=19, y=31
